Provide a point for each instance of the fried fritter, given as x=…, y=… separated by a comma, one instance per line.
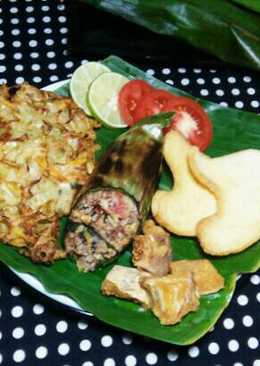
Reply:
x=47, y=148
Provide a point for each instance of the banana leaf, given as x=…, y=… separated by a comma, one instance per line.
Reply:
x=233, y=130
x=219, y=27
x=250, y=4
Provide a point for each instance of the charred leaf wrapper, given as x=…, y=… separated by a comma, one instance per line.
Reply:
x=113, y=205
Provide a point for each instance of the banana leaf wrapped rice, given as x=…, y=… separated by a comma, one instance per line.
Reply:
x=112, y=206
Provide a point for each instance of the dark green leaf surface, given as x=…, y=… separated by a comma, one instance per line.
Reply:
x=220, y=27
x=233, y=130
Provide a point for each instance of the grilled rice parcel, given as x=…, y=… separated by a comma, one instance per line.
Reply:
x=116, y=199
x=47, y=147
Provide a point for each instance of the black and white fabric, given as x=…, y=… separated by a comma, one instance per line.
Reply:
x=37, y=331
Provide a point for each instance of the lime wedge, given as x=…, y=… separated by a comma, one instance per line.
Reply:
x=103, y=97
x=81, y=80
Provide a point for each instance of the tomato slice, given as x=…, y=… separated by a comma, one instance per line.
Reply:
x=191, y=121
x=130, y=96
x=153, y=102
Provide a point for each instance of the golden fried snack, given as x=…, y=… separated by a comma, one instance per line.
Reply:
x=124, y=282
x=47, y=148
x=172, y=297
x=152, y=250
x=180, y=210
x=206, y=278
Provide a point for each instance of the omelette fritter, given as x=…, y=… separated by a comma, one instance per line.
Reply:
x=47, y=149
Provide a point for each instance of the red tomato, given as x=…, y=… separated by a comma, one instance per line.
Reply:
x=152, y=103
x=191, y=121
x=130, y=96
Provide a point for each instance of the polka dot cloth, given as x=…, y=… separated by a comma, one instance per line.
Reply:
x=37, y=331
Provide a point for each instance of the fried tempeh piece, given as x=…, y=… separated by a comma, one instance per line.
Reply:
x=172, y=297
x=206, y=277
x=152, y=251
x=123, y=282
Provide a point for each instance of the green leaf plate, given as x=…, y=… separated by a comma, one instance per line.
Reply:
x=233, y=130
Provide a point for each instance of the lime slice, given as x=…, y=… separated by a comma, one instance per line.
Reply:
x=81, y=80
x=103, y=96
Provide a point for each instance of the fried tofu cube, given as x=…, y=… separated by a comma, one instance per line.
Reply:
x=172, y=297
x=206, y=277
x=152, y=251
x=123, y=282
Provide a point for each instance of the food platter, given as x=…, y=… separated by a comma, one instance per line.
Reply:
x=63, y=279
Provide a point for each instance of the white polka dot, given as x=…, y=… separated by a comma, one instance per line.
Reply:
x=109, y=362
x=17, y=56
x=29, y=9
x=231, y=80
x=213, y=348
x=18, y=333
x=62, y=19
x=193, y=351
x=216, y=80
x=35, y=67
x=32, y=31
x=2, y=44
x=197, y=71
x=166, y=71
x=16, y=44
x=1, y=358
x=2, y=68
x=247, y=321
x=19, y=67
x=30, y=20
x=15, y=21
x=41, y=352
x=223, y=104
x=46, y=19
x=242, y=300
x=13, y=10
x=40, y=329
x=235, y=91
x=45, y=8
x=181, y=70
x=127, y=339
x=169, y=81
x=61, y=7
x=52, y=66
x=256, y=363
x=62, y=326
x=228, y=323
x=85, y=345
x=106, y=341
x=82, y=325
x=38, y=309
x=239, y=104
x=220, y=92
x=15, y=32
x=19, y=355
x=88, y=363
x=253, y=342
x=63, y=30
x=255, y=103
x=33, y=43
x=255, y=279
x=150, y=72
x=37, y=79
x=212, y=71
x=47, y=30
x=50, y=54
x=0, y=313
x=200, y=81
x=130, y=360
x=151, y=358
x=63, y=349
x=233, y=345
x=64, y=40
x=2, y=56
x=258, y=297
x=69, y=64
x=247, y=79
x=54, y=78
x=34, y=54
x=204, y=92
x=238, y=364
x=185, y=81
x=49, y=42
x=250, y=91
x=17, y=311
